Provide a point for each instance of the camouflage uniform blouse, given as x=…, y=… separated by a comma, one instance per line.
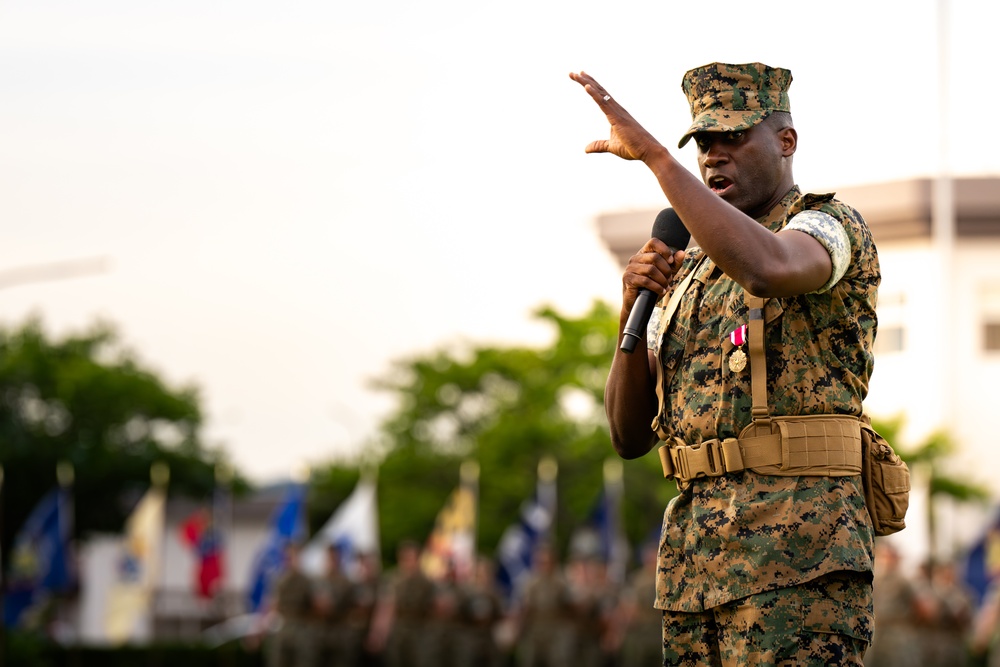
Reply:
x=728, y=537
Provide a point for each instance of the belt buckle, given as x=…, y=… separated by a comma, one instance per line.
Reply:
x=700, y=460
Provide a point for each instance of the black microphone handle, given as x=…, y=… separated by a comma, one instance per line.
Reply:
x=638, y=317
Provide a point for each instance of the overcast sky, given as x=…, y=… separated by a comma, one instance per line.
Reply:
x=291, y=195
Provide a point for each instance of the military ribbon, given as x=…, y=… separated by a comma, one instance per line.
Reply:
x=738, y=336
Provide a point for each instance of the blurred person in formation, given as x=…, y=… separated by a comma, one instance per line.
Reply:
x=637, y=621
x=332, y=602
x=443, y=624
x=399, y=626
x=944, y=629
x=480, y=609
x=591, y=604
x=292, y=643
x=985, y=643
x=898, y=610
x=543, y=616
x=363, y=598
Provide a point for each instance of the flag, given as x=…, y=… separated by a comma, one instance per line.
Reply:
x=353, y=529
x=287, y=526
x=981, y=569
x=200, y=534
x=607, y=521
x=519, y=540
x=41, y=560
x=130, y=596
x=452, y=543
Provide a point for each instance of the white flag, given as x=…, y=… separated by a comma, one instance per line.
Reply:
x=131, y=595
x=353, y=528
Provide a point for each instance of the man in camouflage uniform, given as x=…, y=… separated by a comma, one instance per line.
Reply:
x=404, y=610
x=900, y=610
x=332, y=598
x=640, y=622
x=754, y=568
x=480, y=609
x=292, y=605
x=544, y=615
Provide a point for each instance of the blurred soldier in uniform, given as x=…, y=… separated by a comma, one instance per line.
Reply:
x=639, y=620
x=544, y=615
x=480, y=609
x=952, y=608
x=292, y=606
x=590, y=610
x=364, y=596
x=986, y=630
x=332, y=599
x=406, y=601
x=898, y=608
x=443, y=624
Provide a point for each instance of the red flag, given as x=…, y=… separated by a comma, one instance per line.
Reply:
x=199, y=533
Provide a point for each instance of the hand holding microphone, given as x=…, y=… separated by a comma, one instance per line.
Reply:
x=669, y=229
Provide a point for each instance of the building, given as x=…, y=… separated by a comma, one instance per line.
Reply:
x=938, y=344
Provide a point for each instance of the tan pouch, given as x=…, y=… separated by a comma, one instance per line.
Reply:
x=886, y=480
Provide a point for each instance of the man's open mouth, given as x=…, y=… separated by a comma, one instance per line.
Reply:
x=719, y=184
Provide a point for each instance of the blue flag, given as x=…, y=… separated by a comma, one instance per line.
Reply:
x=518, y=542
x=41, y=561
x=287, y=526
x=982, y=563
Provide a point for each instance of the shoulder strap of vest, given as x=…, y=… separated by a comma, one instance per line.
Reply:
x=668, y=312
x=758, y=362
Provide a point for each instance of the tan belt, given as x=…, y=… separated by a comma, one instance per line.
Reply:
x=824, y=445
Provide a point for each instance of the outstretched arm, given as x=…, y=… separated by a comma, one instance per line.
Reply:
x=766, y=264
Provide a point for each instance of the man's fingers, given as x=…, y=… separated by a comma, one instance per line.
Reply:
x=599, y=146
x=600, y=95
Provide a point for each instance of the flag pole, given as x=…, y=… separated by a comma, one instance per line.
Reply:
x=3, y=578
x=223, y=519
x=468, y=475
x=548, y=472
x=614, y=475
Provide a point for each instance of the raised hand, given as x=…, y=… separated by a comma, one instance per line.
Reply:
x=628, y=139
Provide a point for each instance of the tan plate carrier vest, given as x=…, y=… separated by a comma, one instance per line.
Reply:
x=817, y=445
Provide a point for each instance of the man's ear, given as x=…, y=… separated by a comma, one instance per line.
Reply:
x=789, y=139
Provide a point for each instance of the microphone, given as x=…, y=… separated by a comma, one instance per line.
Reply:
x=668, y=228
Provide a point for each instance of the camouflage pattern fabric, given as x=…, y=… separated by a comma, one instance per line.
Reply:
x=729, y=98
x=741, y=534
x=822, y=622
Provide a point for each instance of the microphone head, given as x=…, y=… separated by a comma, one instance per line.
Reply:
x=668, y=228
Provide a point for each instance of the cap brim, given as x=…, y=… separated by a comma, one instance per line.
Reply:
x=722, y=121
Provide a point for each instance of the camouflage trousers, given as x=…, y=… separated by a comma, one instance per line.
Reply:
x=826, y=621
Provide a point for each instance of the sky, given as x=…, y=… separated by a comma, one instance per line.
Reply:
x=287, y=197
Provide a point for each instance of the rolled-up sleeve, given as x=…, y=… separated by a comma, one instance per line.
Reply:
x=831, y=234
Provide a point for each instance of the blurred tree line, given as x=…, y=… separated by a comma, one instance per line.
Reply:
x=85, y=399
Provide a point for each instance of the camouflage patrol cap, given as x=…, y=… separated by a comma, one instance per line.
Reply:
x=729, y=98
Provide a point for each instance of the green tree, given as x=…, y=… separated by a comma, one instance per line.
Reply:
x=506, y=408
x=85, y=399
